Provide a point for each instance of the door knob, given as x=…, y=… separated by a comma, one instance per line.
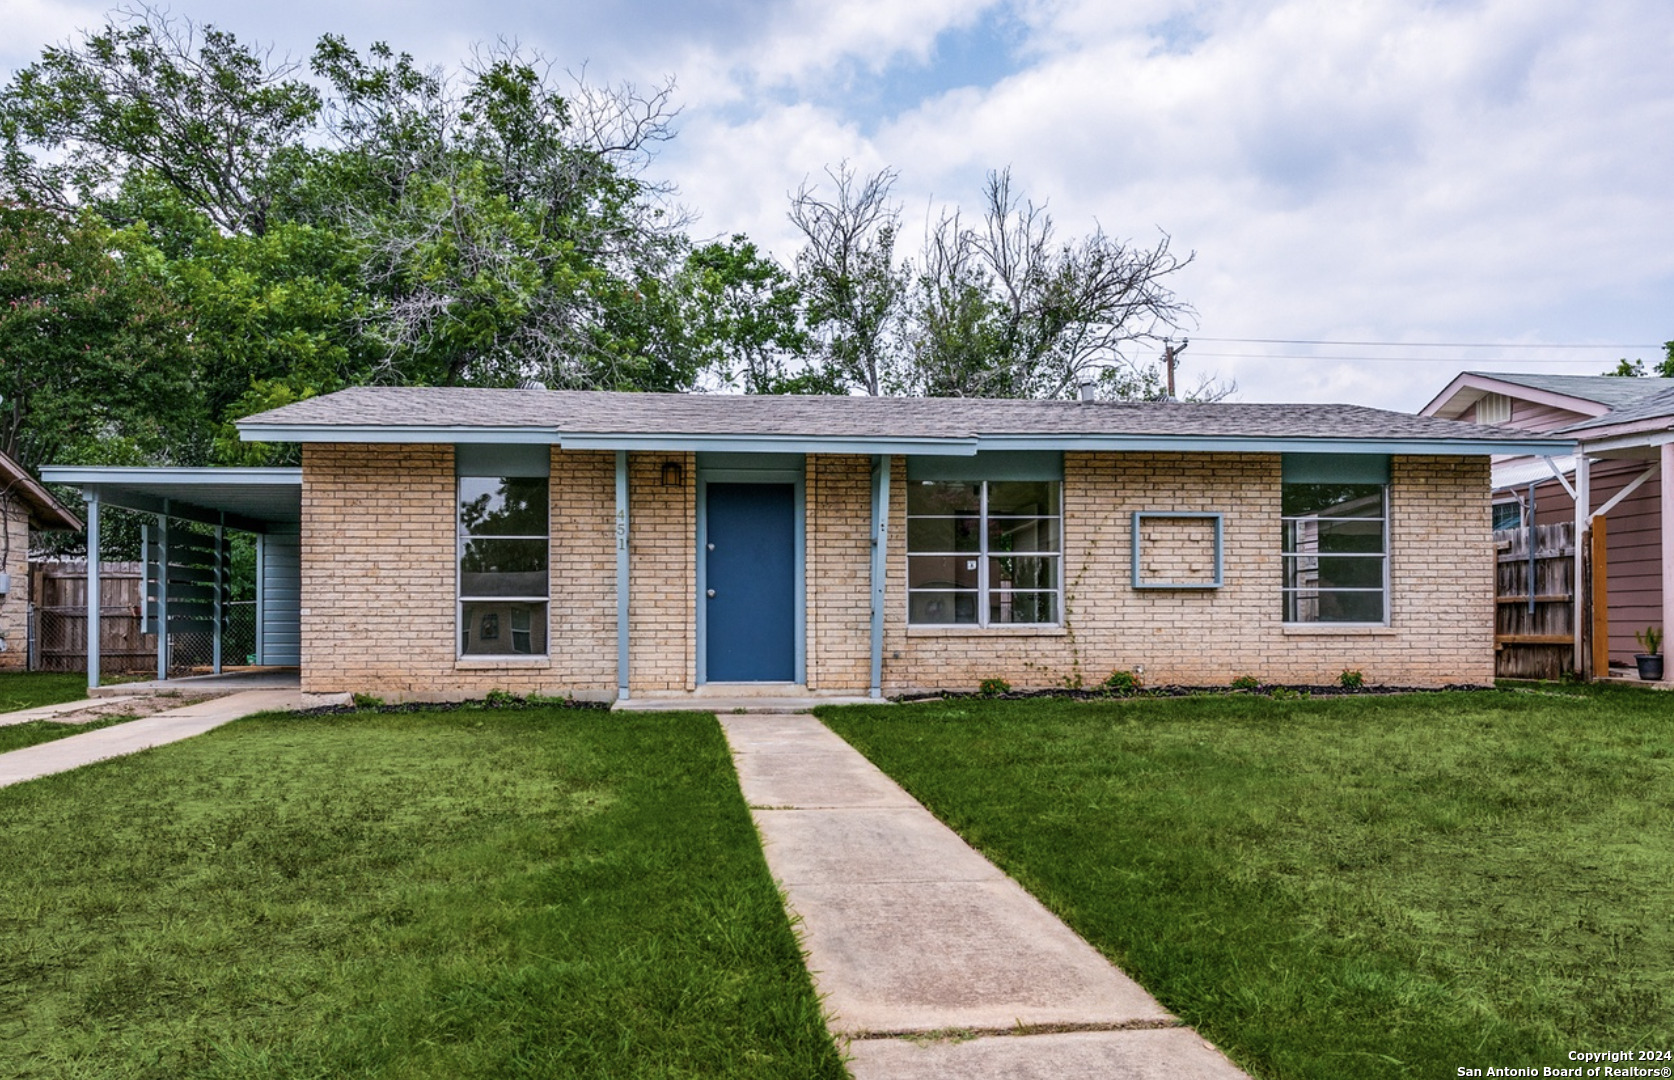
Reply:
x=711, y=593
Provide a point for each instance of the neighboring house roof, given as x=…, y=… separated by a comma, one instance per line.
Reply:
x=45, y=511
x=601, y=420
x=1650, y=407
x=1587, y=395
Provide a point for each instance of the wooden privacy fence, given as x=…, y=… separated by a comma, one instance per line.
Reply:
x=1534, y=619
x=58, y=641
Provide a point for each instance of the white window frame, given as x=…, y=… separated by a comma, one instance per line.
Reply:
x=1284, y=590
x=461, y=538
x=982, y=556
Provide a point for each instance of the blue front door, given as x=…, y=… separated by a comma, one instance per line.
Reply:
x=750, y=575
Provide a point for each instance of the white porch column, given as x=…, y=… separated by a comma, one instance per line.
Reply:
x=1583, y=516
x=93, y=599
x=1667, y=512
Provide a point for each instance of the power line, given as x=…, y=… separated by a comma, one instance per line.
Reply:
x=1420, y=344
x=1477, y=360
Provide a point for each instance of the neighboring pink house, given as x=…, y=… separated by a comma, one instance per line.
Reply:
x=1623, y=471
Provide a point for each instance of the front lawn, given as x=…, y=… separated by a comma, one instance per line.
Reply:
x=1369, y=887
x=28, y=689
x=482, y=893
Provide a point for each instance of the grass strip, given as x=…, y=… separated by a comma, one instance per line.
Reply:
x=35, y=732
x=29, y=689
x=1375, y=887
x=462, y=894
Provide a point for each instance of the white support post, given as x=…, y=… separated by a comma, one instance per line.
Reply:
x=1583, y=520
x=220, y=584
x=163, y=594
x=880, y=564
x=1667, y=509
x=622, y=575
x=261, y=598
x=93, y=599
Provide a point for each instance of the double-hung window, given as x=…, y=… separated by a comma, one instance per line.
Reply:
x=503, y=550
x=984, y=552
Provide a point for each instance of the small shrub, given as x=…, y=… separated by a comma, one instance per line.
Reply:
x=993, y=687
x=367, y=701
x=1285, y=693
x=1246, y=682
x=499, y=699
x=1122, y=683
x=1351, y=680
x=1650, y=639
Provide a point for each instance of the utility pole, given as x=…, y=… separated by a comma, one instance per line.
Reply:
x=1171, y=355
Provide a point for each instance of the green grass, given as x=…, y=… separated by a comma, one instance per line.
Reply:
x=1369, y=887
x=35, y=732
x=545, y=892
x=27, y=689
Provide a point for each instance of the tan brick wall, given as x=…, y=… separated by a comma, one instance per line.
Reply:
x=839, y=571
x=379, y=581
x=14, y=606
x=1441, y=568
x=662, y=568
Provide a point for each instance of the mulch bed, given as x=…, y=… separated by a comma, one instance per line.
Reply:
x=1280, y=690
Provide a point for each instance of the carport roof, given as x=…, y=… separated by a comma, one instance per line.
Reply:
x=256, y=500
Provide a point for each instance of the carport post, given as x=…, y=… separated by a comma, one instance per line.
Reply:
x=220, y=585
x=93, y=663
x=163, y=593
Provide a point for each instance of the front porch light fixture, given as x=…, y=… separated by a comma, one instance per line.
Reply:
x=673, y=474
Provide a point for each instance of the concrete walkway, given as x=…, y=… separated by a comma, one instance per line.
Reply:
x=910, y=931
x=164, y=727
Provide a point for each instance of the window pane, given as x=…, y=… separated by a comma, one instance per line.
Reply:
x=942, y=534
x=502, y=628
x=1333, y=500
x=1010, y=606
x=503, y=568
x=1333, y=572
x=1033, y=498
x=937, y=608
x=941, y=572
x=1507, y=516
x=1022, y=572
x=943, y=497
x=1325, y=605
x=1023, y=534
x=1340, y=535
x=509, y=506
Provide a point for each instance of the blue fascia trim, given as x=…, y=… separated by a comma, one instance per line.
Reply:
x=1257, y=445
x=209, y=477
x=1139, y=518
x=770, y=444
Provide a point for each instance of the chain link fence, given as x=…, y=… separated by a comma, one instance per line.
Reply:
x=58, y=642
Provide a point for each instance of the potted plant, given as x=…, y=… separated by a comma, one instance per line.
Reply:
x=1649, y=661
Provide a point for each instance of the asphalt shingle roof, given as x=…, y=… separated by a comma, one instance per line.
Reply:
x=1613, y=391
x=595, y=412
x=1650, y=407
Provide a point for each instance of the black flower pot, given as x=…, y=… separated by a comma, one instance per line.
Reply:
x=1650, y=667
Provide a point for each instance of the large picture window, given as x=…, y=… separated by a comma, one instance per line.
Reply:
x=1336, y=553
x=983, y=553
x=503, y=551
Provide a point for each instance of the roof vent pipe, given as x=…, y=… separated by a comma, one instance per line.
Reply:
x=1087, y=391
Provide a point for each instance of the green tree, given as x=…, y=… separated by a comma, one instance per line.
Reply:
x=1626, y=368
x=96, y=359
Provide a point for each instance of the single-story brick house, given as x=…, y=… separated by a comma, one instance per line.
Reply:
x=24, y=506
x=454, y=541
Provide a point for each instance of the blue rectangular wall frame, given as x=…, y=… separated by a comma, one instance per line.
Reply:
x=1141, y=516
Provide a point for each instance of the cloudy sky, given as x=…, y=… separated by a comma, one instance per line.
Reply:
x=1407, y=178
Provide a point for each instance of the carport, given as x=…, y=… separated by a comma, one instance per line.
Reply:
x=187, y=572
